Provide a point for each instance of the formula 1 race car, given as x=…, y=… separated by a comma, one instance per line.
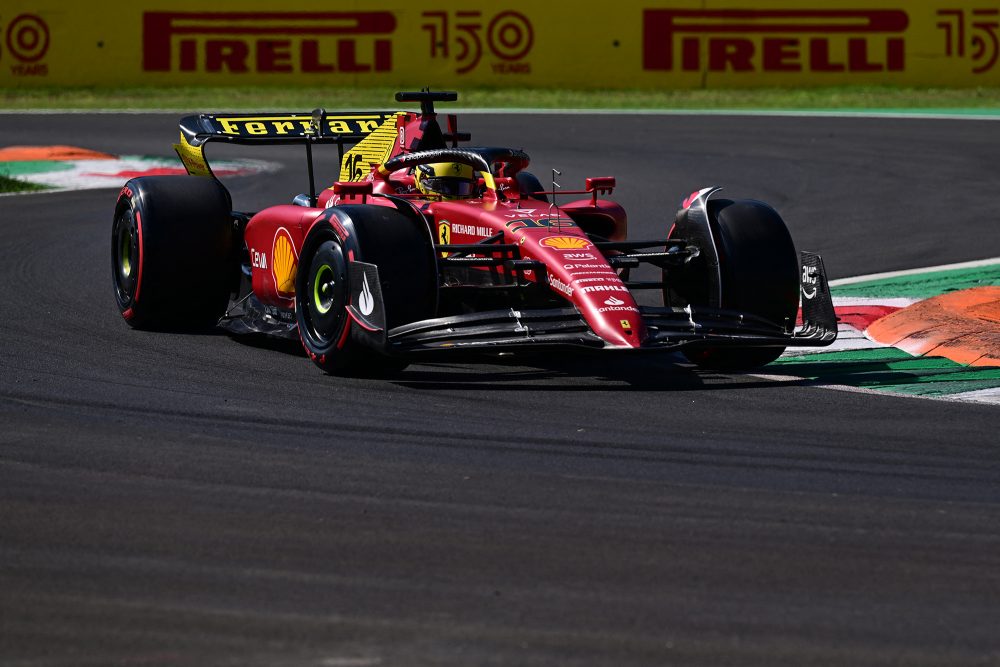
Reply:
x=422, y=248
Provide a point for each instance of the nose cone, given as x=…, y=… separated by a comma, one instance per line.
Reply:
x=578, y=272
x=589, y=282
x=611, y=311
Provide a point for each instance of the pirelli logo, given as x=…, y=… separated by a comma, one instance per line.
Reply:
x=268, y=42
x=730, y=40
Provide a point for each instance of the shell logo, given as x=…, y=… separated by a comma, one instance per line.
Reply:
x=284, y=263
x=565, y=242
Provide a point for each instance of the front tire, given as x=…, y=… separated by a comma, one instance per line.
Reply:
x=321, y=298
x=171, y=252
x=400, y=247
x=759, y=270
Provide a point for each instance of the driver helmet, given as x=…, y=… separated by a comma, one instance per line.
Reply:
x=449, y=180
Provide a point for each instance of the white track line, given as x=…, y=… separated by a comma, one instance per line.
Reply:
x=910, y=272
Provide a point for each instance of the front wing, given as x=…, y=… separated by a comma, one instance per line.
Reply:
x=667, y=328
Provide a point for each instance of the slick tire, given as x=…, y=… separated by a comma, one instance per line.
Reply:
x=760, y=275
x=172, y=260
x=400, y=247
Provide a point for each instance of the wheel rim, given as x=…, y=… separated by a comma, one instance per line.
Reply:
x=124, y=255
x=323, y=289
x=325, y=296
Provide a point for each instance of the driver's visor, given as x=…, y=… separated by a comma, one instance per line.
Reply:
x=448, y=186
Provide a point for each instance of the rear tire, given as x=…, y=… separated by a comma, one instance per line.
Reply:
x=401, y=248
x=172, y=252
x=759, y=269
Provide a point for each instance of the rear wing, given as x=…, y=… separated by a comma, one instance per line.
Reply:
x=371, y=135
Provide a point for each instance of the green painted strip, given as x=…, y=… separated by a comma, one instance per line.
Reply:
x=33, y=167
x=891, y=370
x=923, y=285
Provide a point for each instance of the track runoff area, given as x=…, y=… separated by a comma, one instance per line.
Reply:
x=928, y=333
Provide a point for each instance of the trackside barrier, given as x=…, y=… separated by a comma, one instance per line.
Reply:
x=584, y=44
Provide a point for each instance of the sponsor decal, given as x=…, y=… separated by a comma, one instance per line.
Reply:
x=774, y=40
x=278, y=42
x=590, y=280
x=603, y=288
x=981, y=26
x=540, y=223
x=615, y=305
x=607, y=269
x=560, y=285
x=465, y=36
x=258, y=259
x=810, y=281
x=472, y=230
x=27, y=41
x=444, y=232
x=366, y=302
x=296, y=125
x=284, y=263
x=565, y=243
x=607, y=274
x=578, y=255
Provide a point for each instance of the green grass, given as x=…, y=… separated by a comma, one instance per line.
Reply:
x=302, y=97
x=8, y=184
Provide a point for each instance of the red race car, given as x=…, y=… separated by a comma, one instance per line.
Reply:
x=423, y=248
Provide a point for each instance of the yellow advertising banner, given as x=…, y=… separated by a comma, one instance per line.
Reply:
x=585, y=44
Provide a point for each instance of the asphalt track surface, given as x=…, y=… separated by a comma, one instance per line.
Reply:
x=179, y=499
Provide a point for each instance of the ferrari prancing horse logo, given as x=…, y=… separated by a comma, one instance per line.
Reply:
x=444, y=234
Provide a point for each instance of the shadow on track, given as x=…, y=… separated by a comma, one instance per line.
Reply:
x=576, y=374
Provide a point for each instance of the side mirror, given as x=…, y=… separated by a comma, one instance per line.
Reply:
x=600, y=185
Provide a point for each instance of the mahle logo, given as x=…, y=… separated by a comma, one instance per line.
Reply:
x=268, y=42
x=774, y=41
